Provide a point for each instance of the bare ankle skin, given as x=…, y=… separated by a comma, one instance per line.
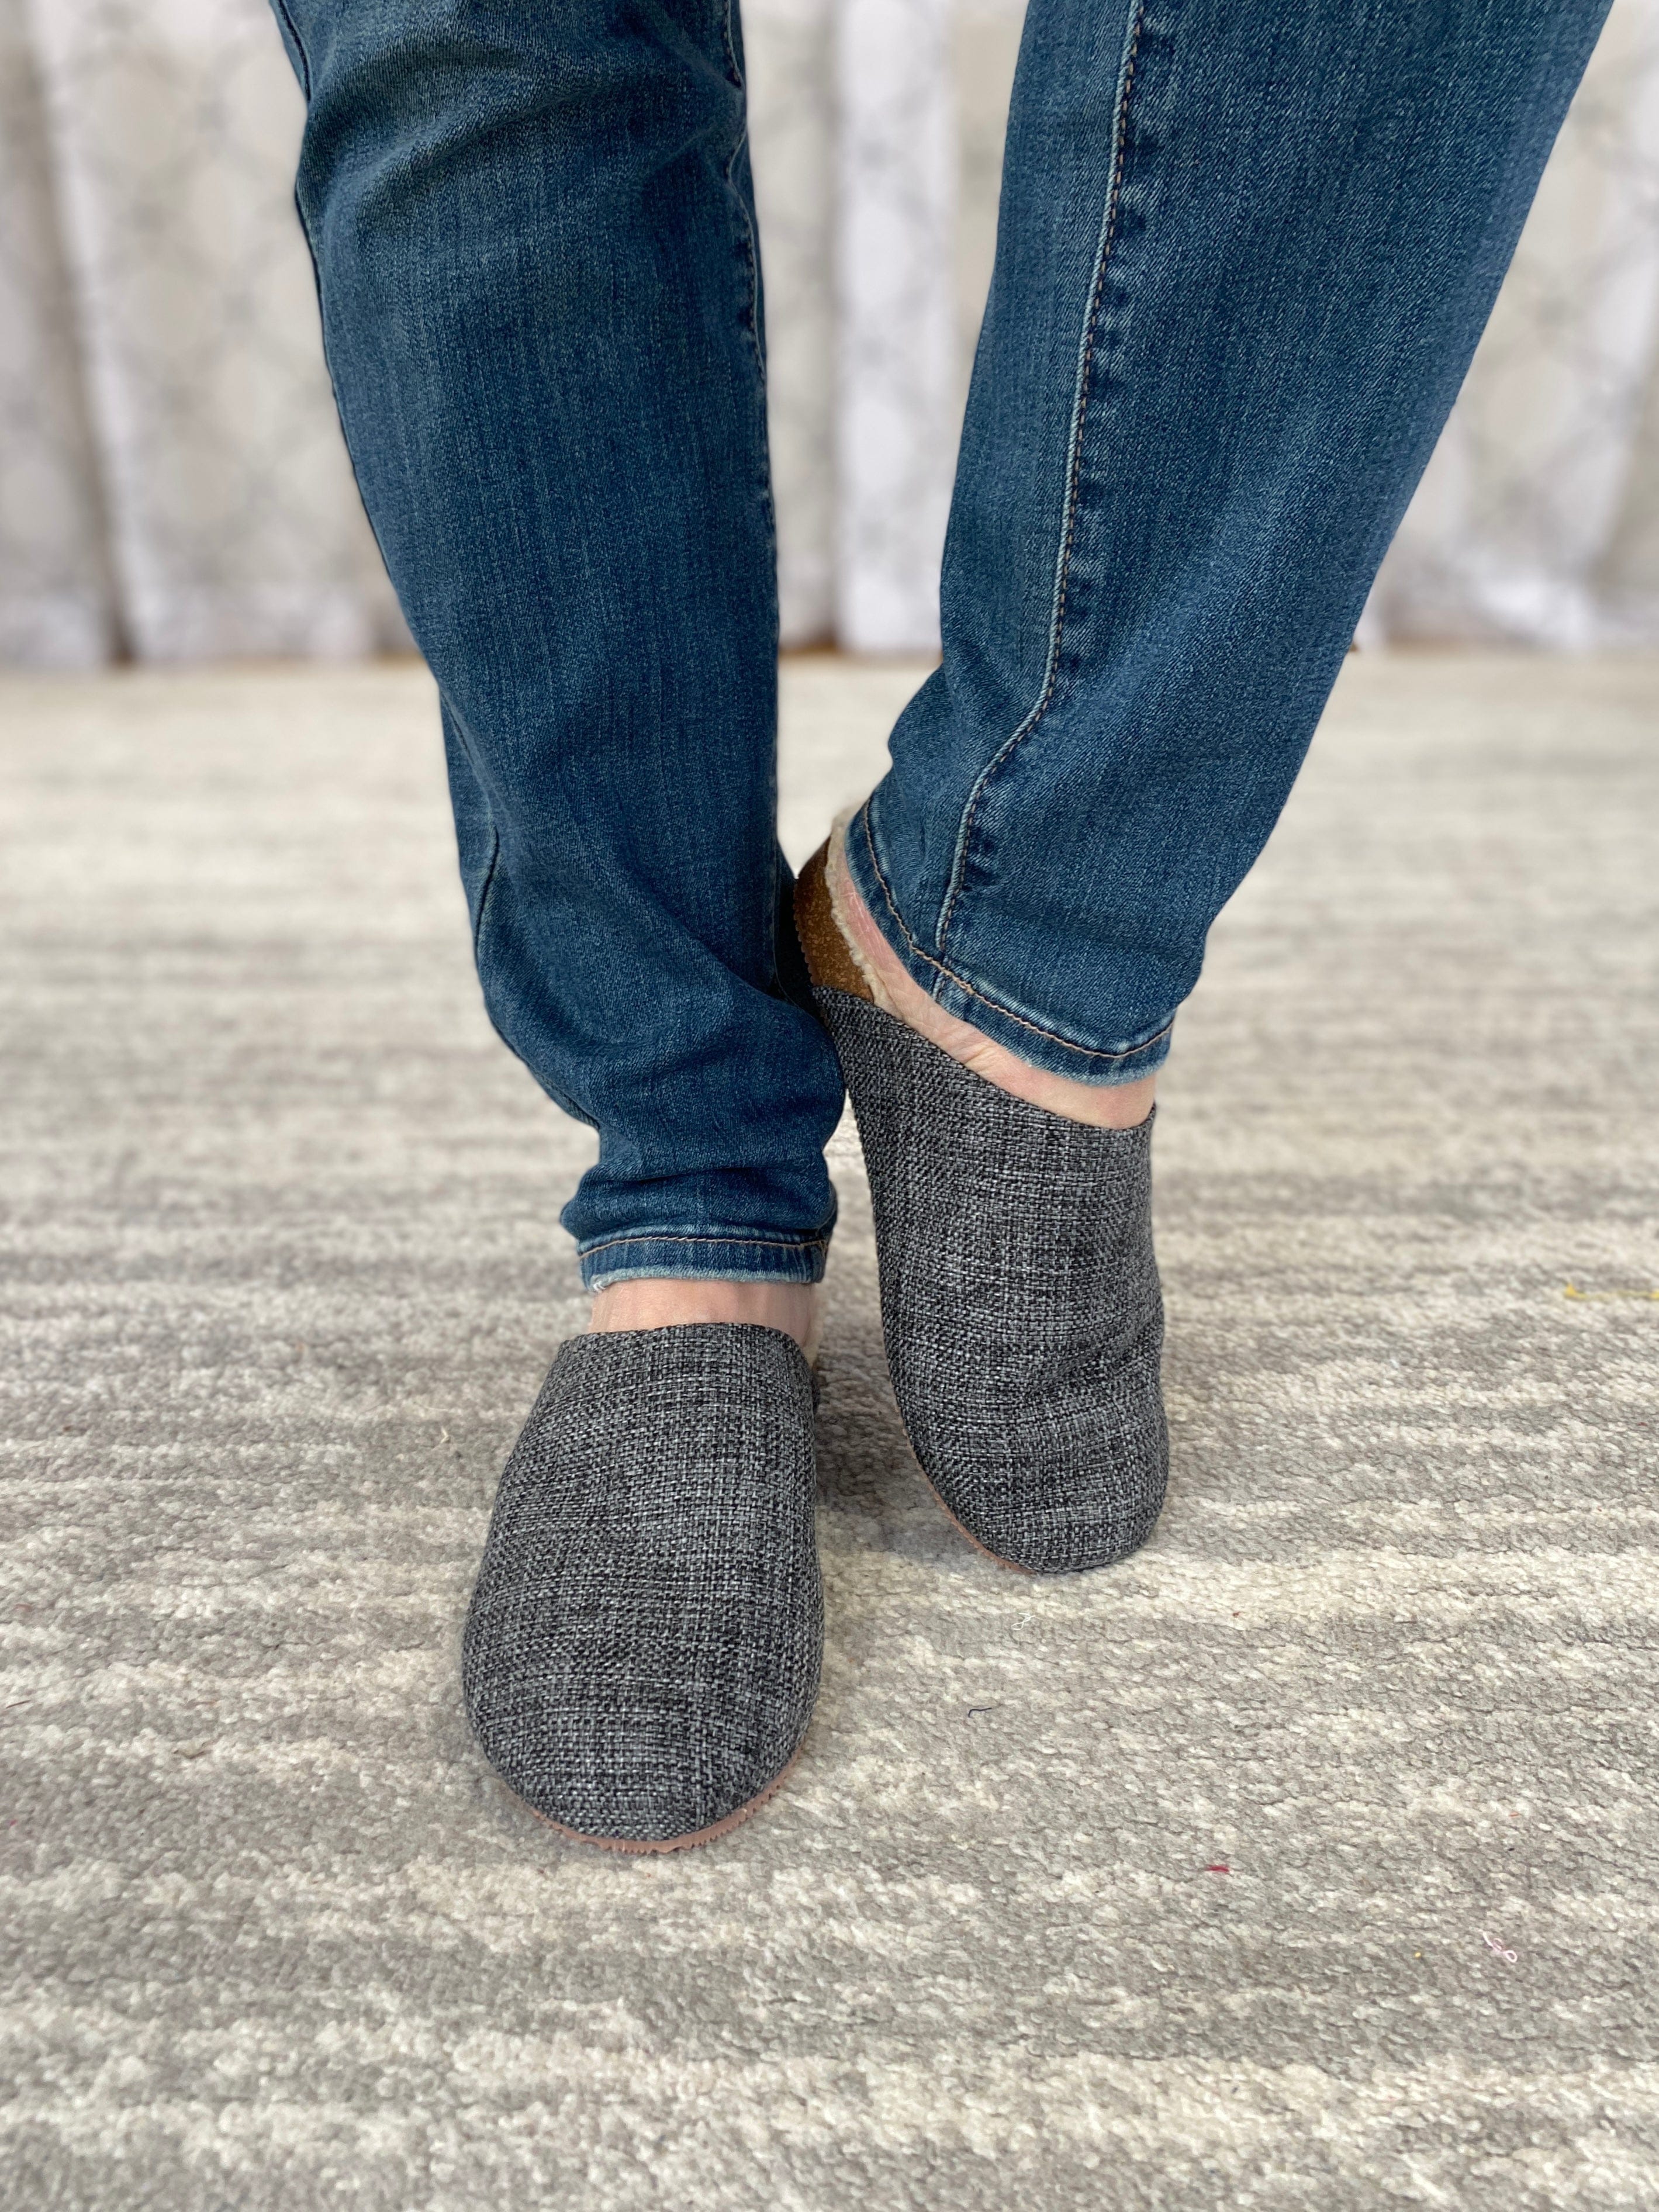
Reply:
x=674, y=1302
x=1100, y=1106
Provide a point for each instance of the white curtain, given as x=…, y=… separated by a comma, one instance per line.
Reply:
x=173, y=484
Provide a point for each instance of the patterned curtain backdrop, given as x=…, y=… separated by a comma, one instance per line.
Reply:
x=173, y=485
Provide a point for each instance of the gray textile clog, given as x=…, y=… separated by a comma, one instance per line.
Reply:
x=642, y=1650
x=1020, y=1300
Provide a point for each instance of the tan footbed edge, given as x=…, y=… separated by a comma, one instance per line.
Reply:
x=833, y=960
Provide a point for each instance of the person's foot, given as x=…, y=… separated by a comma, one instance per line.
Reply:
x=643, y=1649
x=1099, y=1106
x=1020, y=1299
x=675, y=1301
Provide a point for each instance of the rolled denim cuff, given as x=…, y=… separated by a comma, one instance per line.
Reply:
x=732, y=1257
x=1112, y=1061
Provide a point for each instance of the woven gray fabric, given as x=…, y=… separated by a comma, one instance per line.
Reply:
x=1019, y=1298
x=642, y=1650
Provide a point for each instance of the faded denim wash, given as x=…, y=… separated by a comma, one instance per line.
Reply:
x=1244, y=255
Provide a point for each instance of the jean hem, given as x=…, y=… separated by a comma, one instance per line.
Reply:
x=693, y=1254
x=1026, y=1039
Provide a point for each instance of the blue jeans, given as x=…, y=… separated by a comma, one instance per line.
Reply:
x=1244, y=254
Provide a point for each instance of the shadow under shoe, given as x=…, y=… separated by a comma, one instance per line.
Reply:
x=1020, y=1302
x=642, y=1650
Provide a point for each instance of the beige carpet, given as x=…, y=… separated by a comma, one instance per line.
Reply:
x=282, y=1272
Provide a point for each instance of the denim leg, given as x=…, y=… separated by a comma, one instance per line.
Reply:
x=535, y=246
x=1244, y=255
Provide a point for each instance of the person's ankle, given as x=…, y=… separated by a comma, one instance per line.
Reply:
x=681, y=1300
x=1105, y=1106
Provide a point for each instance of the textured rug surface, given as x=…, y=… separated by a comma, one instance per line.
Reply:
x=1308, y=1860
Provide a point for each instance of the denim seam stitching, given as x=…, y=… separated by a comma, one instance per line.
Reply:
x=950, y=974
x=484, y=889
x=749, y=248
x=286, y=13
x=1074, y=483
x=748, y=244
x=650, y=1237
